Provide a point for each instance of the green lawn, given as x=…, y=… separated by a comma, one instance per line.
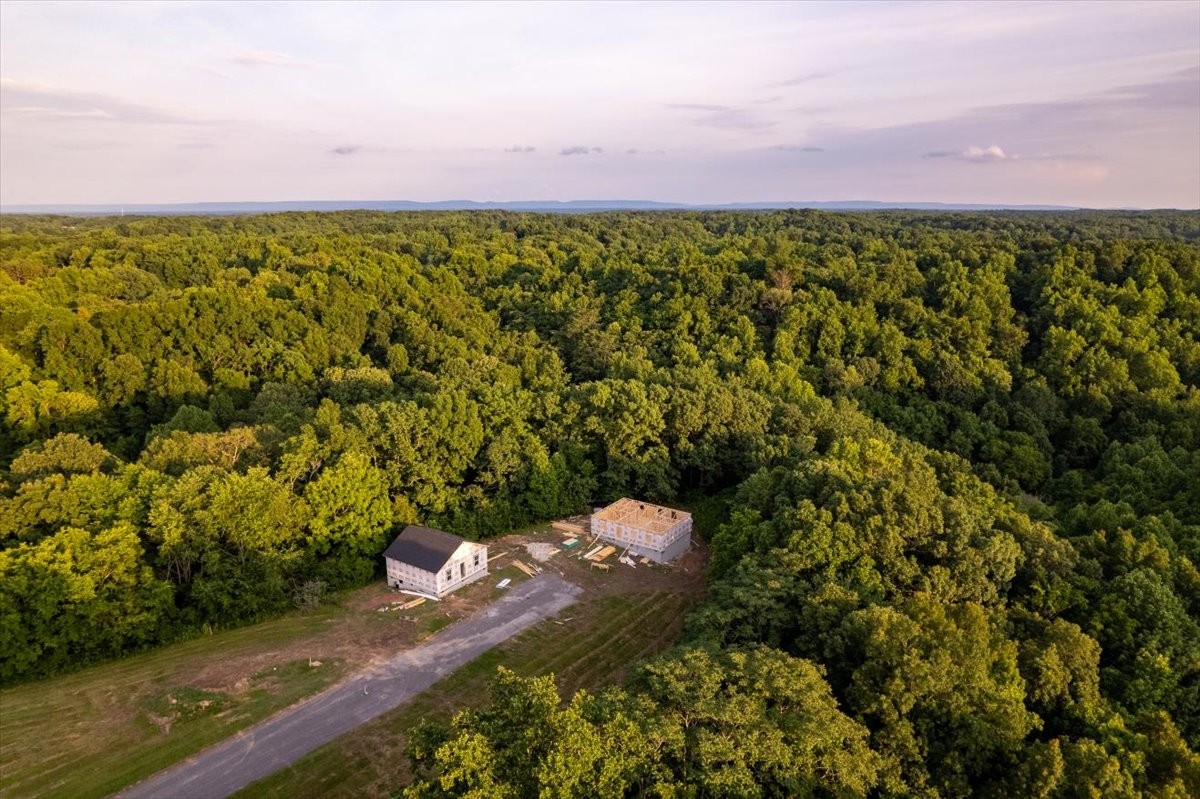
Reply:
x=596, y=644
x=93, y=732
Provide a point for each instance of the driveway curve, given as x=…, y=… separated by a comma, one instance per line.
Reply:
x=261, y=750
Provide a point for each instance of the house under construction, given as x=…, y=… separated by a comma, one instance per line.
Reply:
x=661, y=534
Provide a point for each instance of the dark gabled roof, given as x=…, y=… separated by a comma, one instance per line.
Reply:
x=423, y=547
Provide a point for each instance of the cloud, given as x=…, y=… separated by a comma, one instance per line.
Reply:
x=516, y=148
x=580, y=150
x=255, y=59
x=796, y=148
x=1068, y=130
x=724, y=116
x=1124, y=145
x=365, y=149
x=44, y=102
x=636, y=151
x=802, y=79
x=1078, y=134
x=1121, y=106
x=992, y=153
x=974, y=154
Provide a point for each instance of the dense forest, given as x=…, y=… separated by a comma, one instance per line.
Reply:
x=956, y=459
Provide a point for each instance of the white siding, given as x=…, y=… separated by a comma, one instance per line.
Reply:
x=466, y=565
x=405, y=575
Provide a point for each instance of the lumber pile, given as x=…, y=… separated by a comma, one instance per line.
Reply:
x=568, y=527
x=603, y=553
x=412, y=603
x=525, y=568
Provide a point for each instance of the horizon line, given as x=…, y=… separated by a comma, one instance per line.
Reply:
x=251, y=206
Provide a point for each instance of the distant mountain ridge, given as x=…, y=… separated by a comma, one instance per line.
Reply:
x=539, y=206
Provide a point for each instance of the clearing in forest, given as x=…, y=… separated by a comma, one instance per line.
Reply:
x=93, y=732
x=624, y=616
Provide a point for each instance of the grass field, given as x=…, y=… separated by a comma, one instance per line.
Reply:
x=595, y=643
x=93, y=732
x=90, y=733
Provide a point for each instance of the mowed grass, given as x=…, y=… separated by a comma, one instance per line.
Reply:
x=592, y=644
x=91, y=733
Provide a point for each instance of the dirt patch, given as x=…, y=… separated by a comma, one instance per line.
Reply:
x=163, y=723
x=364, y=636
x=541, y=551
x=375, y=596
x=183, y=704
x=685, y=574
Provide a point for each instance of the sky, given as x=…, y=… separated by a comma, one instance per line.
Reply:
x=1073, y=103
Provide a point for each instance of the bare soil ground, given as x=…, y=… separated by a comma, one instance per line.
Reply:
x=685, y=574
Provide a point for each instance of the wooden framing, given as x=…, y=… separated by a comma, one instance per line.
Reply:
x=659, y=533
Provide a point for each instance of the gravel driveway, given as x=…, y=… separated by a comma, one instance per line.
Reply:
x=281, y=740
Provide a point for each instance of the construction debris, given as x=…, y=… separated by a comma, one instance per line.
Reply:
x=418, y=601
x=593, y=551
x=601, y=566
x=570, y=543
x=627, y=561
x=504, y=583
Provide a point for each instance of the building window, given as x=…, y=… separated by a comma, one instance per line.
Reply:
x=450, y=573
x=476, y=558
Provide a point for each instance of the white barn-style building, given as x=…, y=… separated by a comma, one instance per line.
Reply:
x=652, y=531
x=432, y=563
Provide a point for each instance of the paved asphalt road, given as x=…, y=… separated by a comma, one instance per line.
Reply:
x=281, y=740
